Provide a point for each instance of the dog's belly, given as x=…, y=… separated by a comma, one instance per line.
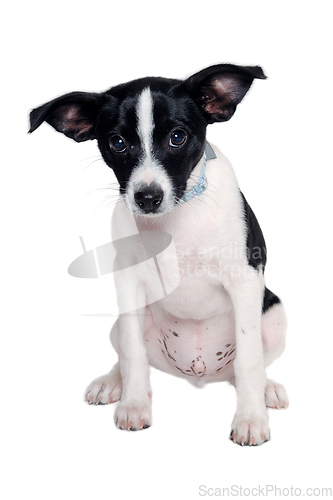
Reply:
x=199, y=350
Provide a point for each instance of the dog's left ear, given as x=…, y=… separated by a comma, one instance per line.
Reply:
x=219, y=89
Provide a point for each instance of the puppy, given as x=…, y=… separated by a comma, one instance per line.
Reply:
x=220, y=323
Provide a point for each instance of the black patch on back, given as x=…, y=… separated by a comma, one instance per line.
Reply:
x=269, y=300
x=256, y=251
x=255, y=243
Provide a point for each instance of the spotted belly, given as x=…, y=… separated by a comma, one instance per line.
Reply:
x=192, y=349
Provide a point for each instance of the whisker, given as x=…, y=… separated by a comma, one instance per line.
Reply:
x=98, y=159
x=110, y=200
x=112, y=186
x=190, y=204
x=89, y=158
x=203, y=201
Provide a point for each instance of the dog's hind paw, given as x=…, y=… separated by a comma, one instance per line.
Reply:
x=105, y=389
x=276, y=396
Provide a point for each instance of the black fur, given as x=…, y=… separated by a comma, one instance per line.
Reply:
x=189, y=105
x=256, y=251
x=269, y=300
x=173, y=108
x=256, y=246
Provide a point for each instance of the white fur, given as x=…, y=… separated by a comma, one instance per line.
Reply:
x=145, y=121
x=218, y=301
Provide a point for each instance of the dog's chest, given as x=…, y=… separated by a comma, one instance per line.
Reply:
x=199, y=295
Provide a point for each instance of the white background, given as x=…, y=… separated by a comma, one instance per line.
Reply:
x=55, y=446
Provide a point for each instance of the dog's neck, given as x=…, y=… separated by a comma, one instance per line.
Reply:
x=200, y=186
x=197, y=182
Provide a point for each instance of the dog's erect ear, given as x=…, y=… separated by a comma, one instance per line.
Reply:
x=73, y=114
x=218, y=89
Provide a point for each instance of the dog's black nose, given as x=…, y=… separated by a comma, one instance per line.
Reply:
x=149, y=199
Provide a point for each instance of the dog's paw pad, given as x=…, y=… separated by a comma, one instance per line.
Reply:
x=104, y=390
x=276, y=396
x=133, y=416
x=251, y=432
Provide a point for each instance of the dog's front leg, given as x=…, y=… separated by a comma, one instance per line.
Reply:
x=134, y=409
x=250, y=423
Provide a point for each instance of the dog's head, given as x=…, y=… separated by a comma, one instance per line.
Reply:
x=151, y=131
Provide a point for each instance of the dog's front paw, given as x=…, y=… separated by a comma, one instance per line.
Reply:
x=251, y=431
x=133, y=415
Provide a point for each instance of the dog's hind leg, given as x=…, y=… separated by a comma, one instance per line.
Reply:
x=273, y=330
x=273, y=327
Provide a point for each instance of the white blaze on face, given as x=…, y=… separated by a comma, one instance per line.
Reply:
x=148, y=170
x=145, y=121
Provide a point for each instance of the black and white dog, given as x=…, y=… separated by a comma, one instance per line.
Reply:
x=220, y=323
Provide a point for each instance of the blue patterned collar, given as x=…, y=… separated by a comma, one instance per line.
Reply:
x=202, y=183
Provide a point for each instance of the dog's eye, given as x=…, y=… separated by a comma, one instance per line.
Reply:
x=117, y=144
x=178, y=138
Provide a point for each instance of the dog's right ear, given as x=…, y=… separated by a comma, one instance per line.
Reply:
x=73, y=114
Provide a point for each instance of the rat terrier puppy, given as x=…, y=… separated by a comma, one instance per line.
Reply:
x=220, y=323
